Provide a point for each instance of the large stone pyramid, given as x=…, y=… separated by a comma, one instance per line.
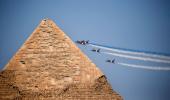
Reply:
x=49, y=66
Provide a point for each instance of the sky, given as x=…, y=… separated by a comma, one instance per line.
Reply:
x=132, y=24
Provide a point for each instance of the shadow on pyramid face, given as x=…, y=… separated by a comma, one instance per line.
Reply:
x=22, y=62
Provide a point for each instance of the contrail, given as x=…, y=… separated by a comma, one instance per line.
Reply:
x=137, y=58
x=132, y=52
x=145, y=67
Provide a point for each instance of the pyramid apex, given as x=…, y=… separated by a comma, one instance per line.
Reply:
x=48, y=22
x=45, y=19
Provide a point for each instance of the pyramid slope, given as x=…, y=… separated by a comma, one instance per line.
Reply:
x=50, y=66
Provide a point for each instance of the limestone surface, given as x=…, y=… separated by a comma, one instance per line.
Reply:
x=49, y=66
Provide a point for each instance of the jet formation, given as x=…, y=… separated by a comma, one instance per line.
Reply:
x=86, y=42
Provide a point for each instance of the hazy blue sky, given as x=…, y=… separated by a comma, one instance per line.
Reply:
x=133, y=24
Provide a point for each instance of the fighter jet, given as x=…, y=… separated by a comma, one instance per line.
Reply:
x=83, y=42
x=111, y=61
x=96, y=50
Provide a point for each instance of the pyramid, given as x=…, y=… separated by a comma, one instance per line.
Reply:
x=49, y=66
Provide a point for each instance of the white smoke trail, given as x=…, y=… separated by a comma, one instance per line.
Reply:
x=145, y=67
x=137, y=58
x=133, y=52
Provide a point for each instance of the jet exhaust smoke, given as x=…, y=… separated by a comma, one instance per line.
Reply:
x=137, y=58
x=156, y=68
x=151, y=55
